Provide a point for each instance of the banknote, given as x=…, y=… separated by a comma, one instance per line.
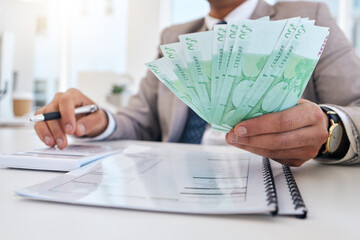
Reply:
x=230, y=35
x=217, y=57
x=197, y=48
x=249, y=55
x=273, y=66
x=174, y=53
x=302, y=65
x=288, y=79
x=256, y=86
x=242, y=70
x=219, y=37
x=163, y=70
x=230, y=51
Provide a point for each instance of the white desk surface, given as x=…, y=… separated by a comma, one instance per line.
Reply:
x=331, y=193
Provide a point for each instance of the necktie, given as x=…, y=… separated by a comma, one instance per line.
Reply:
x=222, y=22
x=194, y=129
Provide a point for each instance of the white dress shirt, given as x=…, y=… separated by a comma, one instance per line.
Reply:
x=242, y=12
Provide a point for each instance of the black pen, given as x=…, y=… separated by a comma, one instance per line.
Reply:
x=56, y=115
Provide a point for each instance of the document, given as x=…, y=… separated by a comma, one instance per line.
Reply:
x=168, y=178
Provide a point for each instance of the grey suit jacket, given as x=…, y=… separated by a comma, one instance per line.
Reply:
x=155, y=113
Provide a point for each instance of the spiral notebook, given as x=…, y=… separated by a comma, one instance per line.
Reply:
x=178, y=178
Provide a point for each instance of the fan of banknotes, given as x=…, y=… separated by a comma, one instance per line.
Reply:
x=242, y=70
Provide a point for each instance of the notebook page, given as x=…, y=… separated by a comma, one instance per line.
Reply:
x=165, y=177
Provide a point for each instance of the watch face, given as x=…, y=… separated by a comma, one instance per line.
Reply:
x=336, y=132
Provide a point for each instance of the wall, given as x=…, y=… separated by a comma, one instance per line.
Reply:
x=146, y=19
x=23, y=28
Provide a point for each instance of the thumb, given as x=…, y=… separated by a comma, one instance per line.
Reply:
x=92, y=125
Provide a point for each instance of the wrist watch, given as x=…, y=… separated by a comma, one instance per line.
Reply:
x=337, y=143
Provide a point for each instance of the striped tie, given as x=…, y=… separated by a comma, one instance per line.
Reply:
x=194, y=129
x=222, y=22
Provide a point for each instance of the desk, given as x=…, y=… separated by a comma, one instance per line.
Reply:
x=331, y=193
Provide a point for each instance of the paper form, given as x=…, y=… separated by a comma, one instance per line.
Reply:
x=216, y=180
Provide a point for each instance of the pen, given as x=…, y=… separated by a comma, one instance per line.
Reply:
x=56, y=115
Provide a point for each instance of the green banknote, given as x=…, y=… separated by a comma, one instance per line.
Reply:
x=223, y=82
x=174, y=53
x=288, y=79
x=217, y=57
x=197, y=48
x=273, y=66
x=219, y=36
x=302, y=65
x=163, y=70
x=249, y=55
x=226, y=55
x=255, y=87
x=243, y=69
x=230, y=36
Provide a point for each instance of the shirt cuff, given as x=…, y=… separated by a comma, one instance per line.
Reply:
x=352, y=148
x=107, y=133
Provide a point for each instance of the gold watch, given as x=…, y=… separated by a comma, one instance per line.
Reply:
x=337, y=141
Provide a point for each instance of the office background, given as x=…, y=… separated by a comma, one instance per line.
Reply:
x=94, y=44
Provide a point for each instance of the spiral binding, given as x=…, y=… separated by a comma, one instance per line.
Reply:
x=293, y=188
x=269, y=183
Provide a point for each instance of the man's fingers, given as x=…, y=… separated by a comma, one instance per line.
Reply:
x=92, y=124
x=67, y=111
x=54, y=132
x=291, y=137
x=44, y=133
x=67, y=103
x=55, y=127
x=58, y=133
x=291, y=157
x=301, y=115
x=307, y=136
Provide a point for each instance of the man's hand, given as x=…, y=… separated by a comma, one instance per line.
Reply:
x=54, y=132
x=290, y=137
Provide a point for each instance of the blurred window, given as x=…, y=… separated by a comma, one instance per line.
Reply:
x=74, y=36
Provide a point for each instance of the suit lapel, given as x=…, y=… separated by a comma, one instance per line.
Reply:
x=203, y=27
x=178, y=119
x=263, y=9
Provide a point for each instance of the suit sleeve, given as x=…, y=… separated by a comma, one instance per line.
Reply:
x=140, y=120
x=337, y=81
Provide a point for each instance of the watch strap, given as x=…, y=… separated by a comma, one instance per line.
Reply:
x=333, y=117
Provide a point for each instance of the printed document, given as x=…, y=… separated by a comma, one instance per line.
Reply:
x=165, y=177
